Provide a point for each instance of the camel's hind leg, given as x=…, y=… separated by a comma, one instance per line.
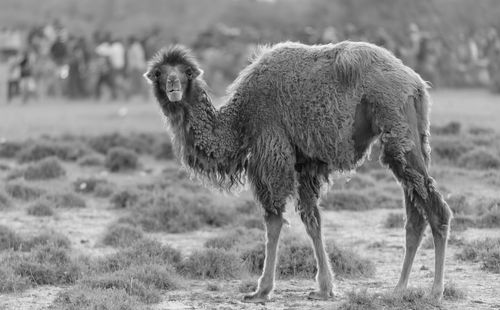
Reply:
x=415, y=226
x=402, y=152
x=309, y=187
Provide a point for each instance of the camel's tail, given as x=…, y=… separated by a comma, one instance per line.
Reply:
x=422, y=106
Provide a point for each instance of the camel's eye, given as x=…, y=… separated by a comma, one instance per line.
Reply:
x=157, y=73
x=189, y=72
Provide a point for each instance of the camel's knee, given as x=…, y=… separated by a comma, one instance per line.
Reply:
x=311, y=218
x=438, y=212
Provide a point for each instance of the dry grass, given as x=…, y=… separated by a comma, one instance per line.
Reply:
x=213, y=264
x=91, y=160
x=122, y=235
x=161, y=210
x=394, y=220
x=121, y=159
x=247, y=286
x=479, y=158
x=144, y=282
x=447, y=150
x=346, y=200
x=9, y=149
x=41, y=207
x=45, y=259
x=413, y=298
x=79, y=298
x=39, y=149
x=486, y=252
x=125, y=198
x=44, y=169
x=66, y=200
x=22, y=191
x=296, y=259
x=453, y=292
x=88, y=185
x=452, y=128
x=5, y=201
x=143, y=252
x=138, y=273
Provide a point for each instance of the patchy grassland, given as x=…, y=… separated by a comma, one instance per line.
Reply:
x=103, y=217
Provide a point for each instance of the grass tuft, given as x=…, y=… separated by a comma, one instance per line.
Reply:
x=125, y=199
x=452, y=128
x=164, y=150
x=247, y=286
x=37, y=150
x=449, y=149
x=479, y=158
x=9, y=149
x=22, y=191
x=348, y=264
x=67, y=200
x=85, y=298
x=212, y=264
x=122, y=235
x=91, y=160
x=453, y=292
x=161, y=210
x=87, y=185
x=413, y=298
x=346, y=200
x=121, y=159
x=5, y=201
x=11, y=281
x=394, y=220
x=486, y=252
x=40, y=207
x=44, y=169
x=9, y=239
x=140, y=253
x=297, y=260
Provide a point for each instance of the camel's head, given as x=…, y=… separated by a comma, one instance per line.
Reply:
x=172, y=71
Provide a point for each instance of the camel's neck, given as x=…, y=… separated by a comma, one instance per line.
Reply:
x=208, y=140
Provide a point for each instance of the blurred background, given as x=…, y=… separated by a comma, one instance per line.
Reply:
x=89, y=49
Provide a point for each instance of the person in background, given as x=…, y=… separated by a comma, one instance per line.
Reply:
x=102, y=67
x=14, y=77
x=77, y=70
x=136, y=66
x=117, y=60
x=27, y=82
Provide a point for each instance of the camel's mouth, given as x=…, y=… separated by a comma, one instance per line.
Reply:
x=174, y=95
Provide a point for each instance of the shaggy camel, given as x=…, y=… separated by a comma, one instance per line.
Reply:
x=296, y=114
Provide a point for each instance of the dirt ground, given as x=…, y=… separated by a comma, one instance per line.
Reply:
x=362, y=232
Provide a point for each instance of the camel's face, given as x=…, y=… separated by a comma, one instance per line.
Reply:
x=172, y=79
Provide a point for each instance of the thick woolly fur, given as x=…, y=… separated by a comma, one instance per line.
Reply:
x=294, y=105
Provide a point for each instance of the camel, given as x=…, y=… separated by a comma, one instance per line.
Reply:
x=294, y=116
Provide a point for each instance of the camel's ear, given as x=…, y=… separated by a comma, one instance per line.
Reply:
x=149, y=76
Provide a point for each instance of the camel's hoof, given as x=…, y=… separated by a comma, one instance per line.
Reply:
x=320, y=295
x=399, y=290
x=437, y=295
x=256, y=298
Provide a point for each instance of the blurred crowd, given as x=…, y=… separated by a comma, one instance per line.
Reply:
x=49, y=61
x=445, y=60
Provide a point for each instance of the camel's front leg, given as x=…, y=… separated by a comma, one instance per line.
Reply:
x=266, y=281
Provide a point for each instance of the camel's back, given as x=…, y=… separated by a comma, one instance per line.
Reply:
x=311, y=92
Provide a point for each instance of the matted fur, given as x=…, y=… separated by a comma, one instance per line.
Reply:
x=291, y=98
